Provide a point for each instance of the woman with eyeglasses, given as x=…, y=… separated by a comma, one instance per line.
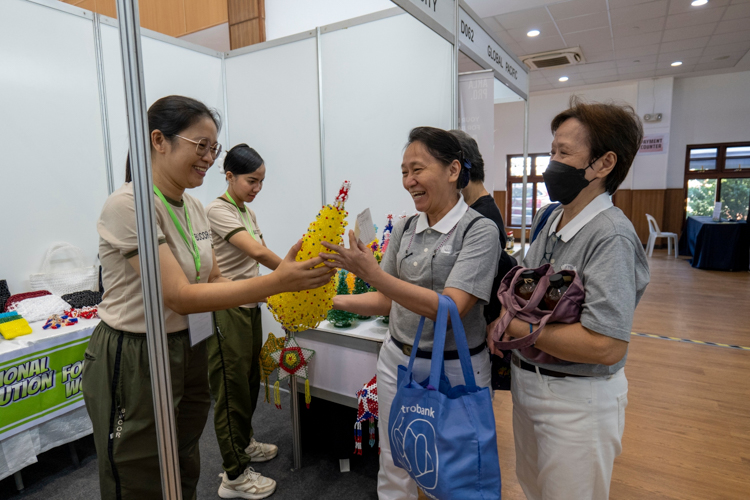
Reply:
x=448, y=249
x=568, y=418
x=116, y=376
x=233, y=356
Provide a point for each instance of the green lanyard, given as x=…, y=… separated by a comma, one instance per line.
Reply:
x=194, y=247
x=245, y=220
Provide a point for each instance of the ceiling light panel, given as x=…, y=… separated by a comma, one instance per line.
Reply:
x=677, y=34
x=575, y=8
x=639, y=28
x=691, y=43
x=632, y=15
x=694, y=18
x=737, y=37
x=584, y=23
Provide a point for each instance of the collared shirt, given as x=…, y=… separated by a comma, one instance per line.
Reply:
x=601, y=245
x=226, y=221
x=597, y=205
x=450, y=254
x=445, y=224
x=122, y=303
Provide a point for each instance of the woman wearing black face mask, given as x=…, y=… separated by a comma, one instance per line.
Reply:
x=568, y=418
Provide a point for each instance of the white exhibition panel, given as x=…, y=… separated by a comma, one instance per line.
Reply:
x=54, y=179
x=380, y=80
x=168, y=70
x=273, y=98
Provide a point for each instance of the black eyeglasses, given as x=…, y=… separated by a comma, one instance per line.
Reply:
x=202, y=146
x=548, y=253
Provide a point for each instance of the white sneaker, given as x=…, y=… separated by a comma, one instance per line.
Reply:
x=261, y=452
x=249, y=484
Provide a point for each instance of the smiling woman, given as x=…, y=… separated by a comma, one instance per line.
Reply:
x=447, y=249
x=183, y=148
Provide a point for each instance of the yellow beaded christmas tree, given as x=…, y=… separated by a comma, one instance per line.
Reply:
x=299, y=311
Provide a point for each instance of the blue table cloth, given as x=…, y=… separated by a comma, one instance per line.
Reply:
x=723, y=246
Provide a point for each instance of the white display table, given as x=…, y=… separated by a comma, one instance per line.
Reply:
x=21, y=450
x=345, y=358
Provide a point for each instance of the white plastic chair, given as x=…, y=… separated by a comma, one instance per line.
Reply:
x=654, y=232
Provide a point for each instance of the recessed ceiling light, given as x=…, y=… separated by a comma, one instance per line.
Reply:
x=677, y=63
x=698, y=3
x=563, y=79
x=721, y=58
x=533, y=33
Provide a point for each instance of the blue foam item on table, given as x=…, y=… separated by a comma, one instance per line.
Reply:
x=11, y=313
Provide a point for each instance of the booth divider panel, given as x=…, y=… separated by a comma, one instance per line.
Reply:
x=169, y=70
x=380, y=79
x=272, y=95
x=54, y=179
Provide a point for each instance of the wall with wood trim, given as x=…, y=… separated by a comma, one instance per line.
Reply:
x=171, y=17
x=665, y=205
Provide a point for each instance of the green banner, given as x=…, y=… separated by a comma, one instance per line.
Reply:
x=41, y=381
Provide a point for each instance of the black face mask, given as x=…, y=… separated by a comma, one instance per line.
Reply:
x=565, y=183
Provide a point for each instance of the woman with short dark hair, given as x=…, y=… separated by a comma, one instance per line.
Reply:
x=447, y=249
x=568, y=418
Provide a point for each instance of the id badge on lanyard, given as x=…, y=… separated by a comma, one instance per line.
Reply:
x=200, y=325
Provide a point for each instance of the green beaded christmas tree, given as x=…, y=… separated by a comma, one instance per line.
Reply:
x=341, y=319
x=360, y=287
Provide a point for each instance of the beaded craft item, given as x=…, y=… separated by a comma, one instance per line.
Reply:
x=267, y=363
x=303, y=310
x=337, y=317
x=91, y=312
x=292, y=361
x=387, y=230
x=367, y=409
x=56, y=321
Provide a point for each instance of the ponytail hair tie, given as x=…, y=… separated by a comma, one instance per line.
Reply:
x=467, y=164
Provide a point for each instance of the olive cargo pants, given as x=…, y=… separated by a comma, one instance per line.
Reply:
x=234, y=374
x=117, y=392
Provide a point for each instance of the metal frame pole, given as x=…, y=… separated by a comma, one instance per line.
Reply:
x=525, y=178
x=296, y=431
x=140, y=164
x=321, y=126
x=103, y=111
x=226, y=100
x=456, y=47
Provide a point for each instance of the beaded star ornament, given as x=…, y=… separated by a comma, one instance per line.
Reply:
x=292, y=361
x=367, y=409
x=267, y=363
x=299, y=311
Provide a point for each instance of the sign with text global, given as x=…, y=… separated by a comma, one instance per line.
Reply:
x=477, y=43
x=438, y=15
x=41, y=382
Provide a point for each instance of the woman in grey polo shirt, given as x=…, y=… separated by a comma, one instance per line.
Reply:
x=447, y=249
x=568, y=418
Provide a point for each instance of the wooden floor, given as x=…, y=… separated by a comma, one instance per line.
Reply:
x=687, y=431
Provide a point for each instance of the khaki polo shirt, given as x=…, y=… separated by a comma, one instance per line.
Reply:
x=122, y=303
x=225, y=222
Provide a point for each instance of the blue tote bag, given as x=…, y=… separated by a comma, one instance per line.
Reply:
x=444, y=436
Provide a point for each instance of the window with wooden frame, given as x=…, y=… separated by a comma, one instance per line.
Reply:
x=536, y=194
x=718, y=173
